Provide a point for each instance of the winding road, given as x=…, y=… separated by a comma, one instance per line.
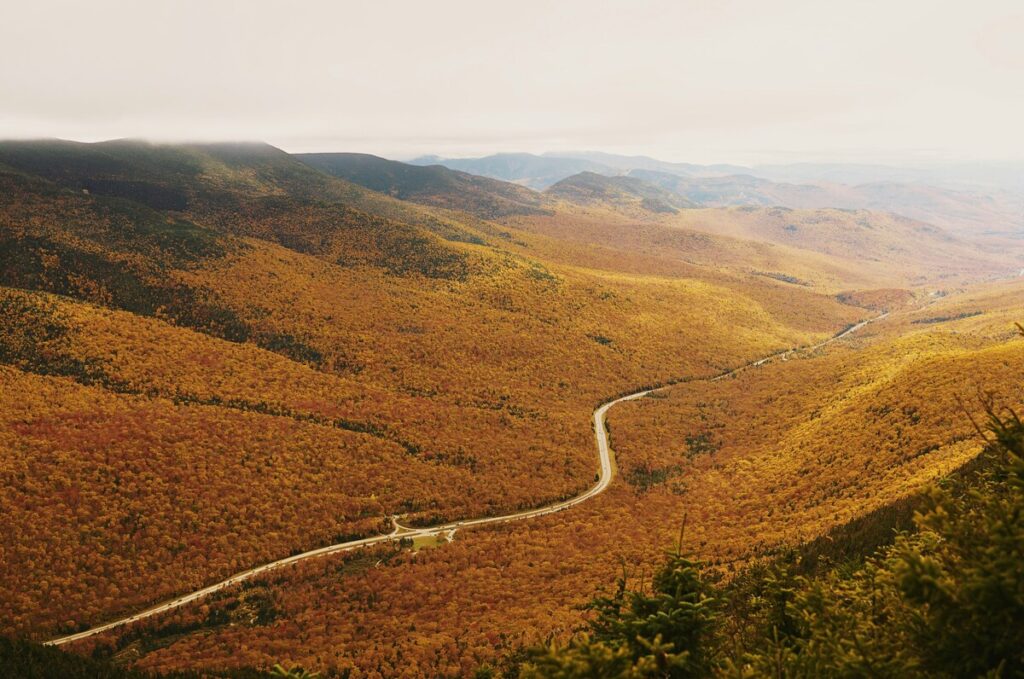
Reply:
x=447, y=529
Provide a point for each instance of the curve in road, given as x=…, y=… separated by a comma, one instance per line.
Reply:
x=398, y=532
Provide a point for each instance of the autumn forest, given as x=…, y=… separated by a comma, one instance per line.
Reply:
x=218, y=356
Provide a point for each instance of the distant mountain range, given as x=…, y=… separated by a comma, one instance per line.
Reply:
x=1006, y=175
x=626, y=163
x=962, y=211
x=541, y=171
x=537, y=172
x=962, y=198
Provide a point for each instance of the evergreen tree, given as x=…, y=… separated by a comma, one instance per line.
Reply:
x=663, y=633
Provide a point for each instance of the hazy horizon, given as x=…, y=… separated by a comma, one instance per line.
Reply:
x=738, y=82
x=918, y=163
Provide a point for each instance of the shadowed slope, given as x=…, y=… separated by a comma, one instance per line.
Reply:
x=430, y=185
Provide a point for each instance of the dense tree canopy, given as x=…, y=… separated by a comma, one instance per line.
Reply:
x=946, y=600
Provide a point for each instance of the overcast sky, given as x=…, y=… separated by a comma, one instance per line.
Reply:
x=714, y=80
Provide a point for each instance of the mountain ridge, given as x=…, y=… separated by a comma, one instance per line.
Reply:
x=432, y=184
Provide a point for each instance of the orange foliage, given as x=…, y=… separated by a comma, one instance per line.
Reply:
x=795, y=448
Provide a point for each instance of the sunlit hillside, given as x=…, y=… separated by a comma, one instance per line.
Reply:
x=756, y=463
x=819, y=249
x=217, y=356
x=391, y=369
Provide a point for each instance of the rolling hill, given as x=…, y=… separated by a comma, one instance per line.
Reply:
x=536, y=172
x=242, y=189
x=914, y=250
x=830, y=249
x=430, y=185
x=627, y=194
x=968, y=213
x=970, y=201
x=626, y=163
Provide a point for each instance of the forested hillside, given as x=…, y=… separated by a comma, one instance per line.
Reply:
x=216, y=356
x=942, y=600
x=430, y=185
x=758, y=464
x=626, y=194
x=221, y=360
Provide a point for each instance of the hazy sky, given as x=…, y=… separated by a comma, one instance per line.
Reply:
x=715, y=80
